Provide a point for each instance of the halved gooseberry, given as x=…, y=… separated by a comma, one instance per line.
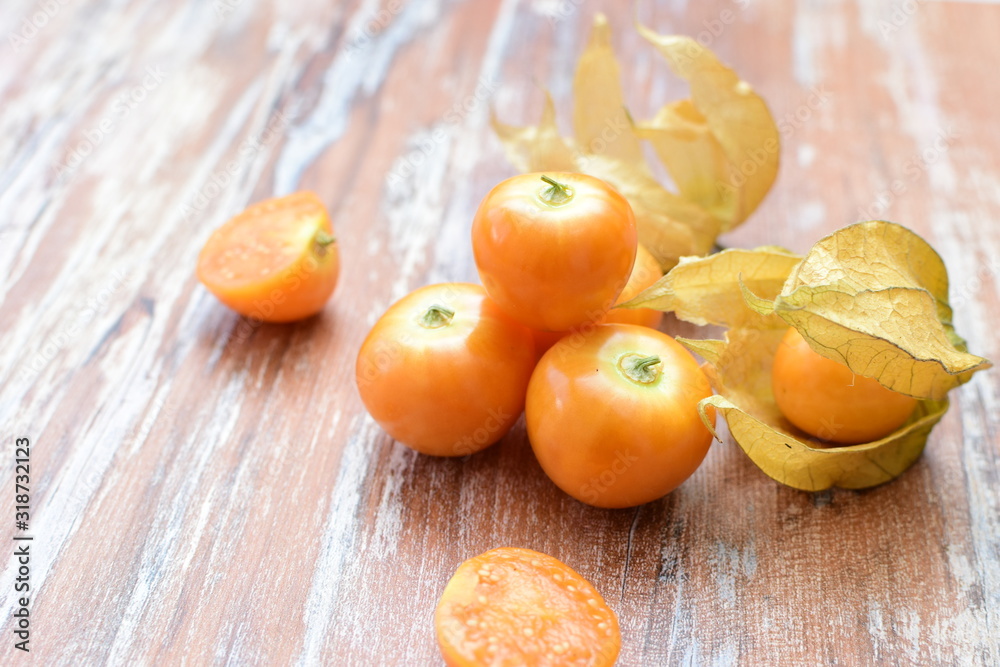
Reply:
x=277, y=261
x=514, y=606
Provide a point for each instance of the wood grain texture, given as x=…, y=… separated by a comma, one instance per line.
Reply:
x=206, y=490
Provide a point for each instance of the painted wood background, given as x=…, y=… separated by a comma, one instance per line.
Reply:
x=209, y=491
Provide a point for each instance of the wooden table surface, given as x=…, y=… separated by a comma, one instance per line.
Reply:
x=205, y=490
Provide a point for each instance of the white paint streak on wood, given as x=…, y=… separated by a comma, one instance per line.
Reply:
x=414, y=206
x=354, y=72
x=811, y=216
x=152, y=383
x=956, y=212
x=414, y=210
x=818, y=26
x=453, y=261
x=339, y=542
x=388, y=512
x=97, y=445
x=155, y=571
x=980, y=455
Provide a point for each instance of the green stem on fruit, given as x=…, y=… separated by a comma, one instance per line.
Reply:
x=436, y=317
x=557, y=193
x=324, y=239
x=640, y=369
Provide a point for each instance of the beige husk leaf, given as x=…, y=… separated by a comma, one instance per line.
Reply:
x=873, y=296
x=720, y=147
x=705, y=290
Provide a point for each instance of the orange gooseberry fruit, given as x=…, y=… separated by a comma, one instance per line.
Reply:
x=827, y=400
x=514, y=606
x=645, y=272
x=277, y=261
